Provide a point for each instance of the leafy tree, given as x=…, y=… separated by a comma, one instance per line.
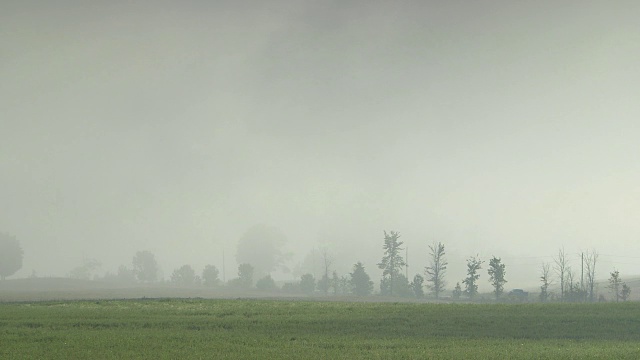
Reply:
x=473, y=266
x=210, y=275
x=457, y=291
x=185, y=275
x=10, y=255
x=496, y=276
x=86, y=270
x=615, y=284
x=307, y=283
x=245, y=275
x=545, y=278
x=392, y=262
x=626, y=291
x=261, y=246
x=360, y=282
x=416, y=285
x=436, y=271
x=266, y=284
x=145, y=266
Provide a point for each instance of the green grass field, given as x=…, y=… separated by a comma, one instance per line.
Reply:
x=269, y=329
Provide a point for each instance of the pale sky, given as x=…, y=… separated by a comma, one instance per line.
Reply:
x=499, y=128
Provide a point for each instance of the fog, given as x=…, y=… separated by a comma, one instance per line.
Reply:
x=498, y=128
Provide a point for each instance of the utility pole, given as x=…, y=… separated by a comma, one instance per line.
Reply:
x=224, y=277
x=582, y=274
x=406, y=268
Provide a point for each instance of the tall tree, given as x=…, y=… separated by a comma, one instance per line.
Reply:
x=590, y=260
x=262, y=247
x=615, y=284
x=145, y=266
x=437, y=269
x=392, y=261
x=474, y=264
x=545, y=278
x=561, y=268
x=361, y=284
x=10, y=255
x=496, y=276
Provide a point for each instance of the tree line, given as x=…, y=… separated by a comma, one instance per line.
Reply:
x=144, y=269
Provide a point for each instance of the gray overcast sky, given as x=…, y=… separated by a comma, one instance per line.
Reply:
x=498, y=127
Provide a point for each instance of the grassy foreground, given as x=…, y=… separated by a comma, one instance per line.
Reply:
x=260, y=329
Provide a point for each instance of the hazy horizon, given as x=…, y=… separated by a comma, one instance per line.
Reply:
x=498, y=128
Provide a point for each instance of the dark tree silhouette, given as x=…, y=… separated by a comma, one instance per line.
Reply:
x=392, y=262
x=361, y=284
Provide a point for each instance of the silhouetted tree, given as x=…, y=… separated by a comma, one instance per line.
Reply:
x=545, y=278
x=145, y=266
x=615, y=284
x=457, y=291
x=392, y=262
x=327, y=260
x=185, y=275
x=471, y=287
x=10, y=255
x=266, y=284
x=307, y=283
x=210, y=275
x=324, y=284
x=416, y=285
x=361, y=284
x=496, y=276
x=261, y=246
x=437, y=269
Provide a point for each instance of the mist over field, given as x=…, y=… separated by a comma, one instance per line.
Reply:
x=497, y=128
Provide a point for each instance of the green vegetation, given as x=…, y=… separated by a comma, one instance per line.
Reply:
x=194, y=329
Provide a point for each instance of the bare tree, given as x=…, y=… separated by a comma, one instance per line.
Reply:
x=327, y=260
x=561, y=268
x=438, y=268
x=590, y=260
x=545, y=278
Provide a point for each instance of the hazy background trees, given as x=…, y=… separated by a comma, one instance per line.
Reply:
x=262, y=247
x=184, y=275
x=145, y=266
x=545, y=279
x=11, y=255
x=210, y=276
